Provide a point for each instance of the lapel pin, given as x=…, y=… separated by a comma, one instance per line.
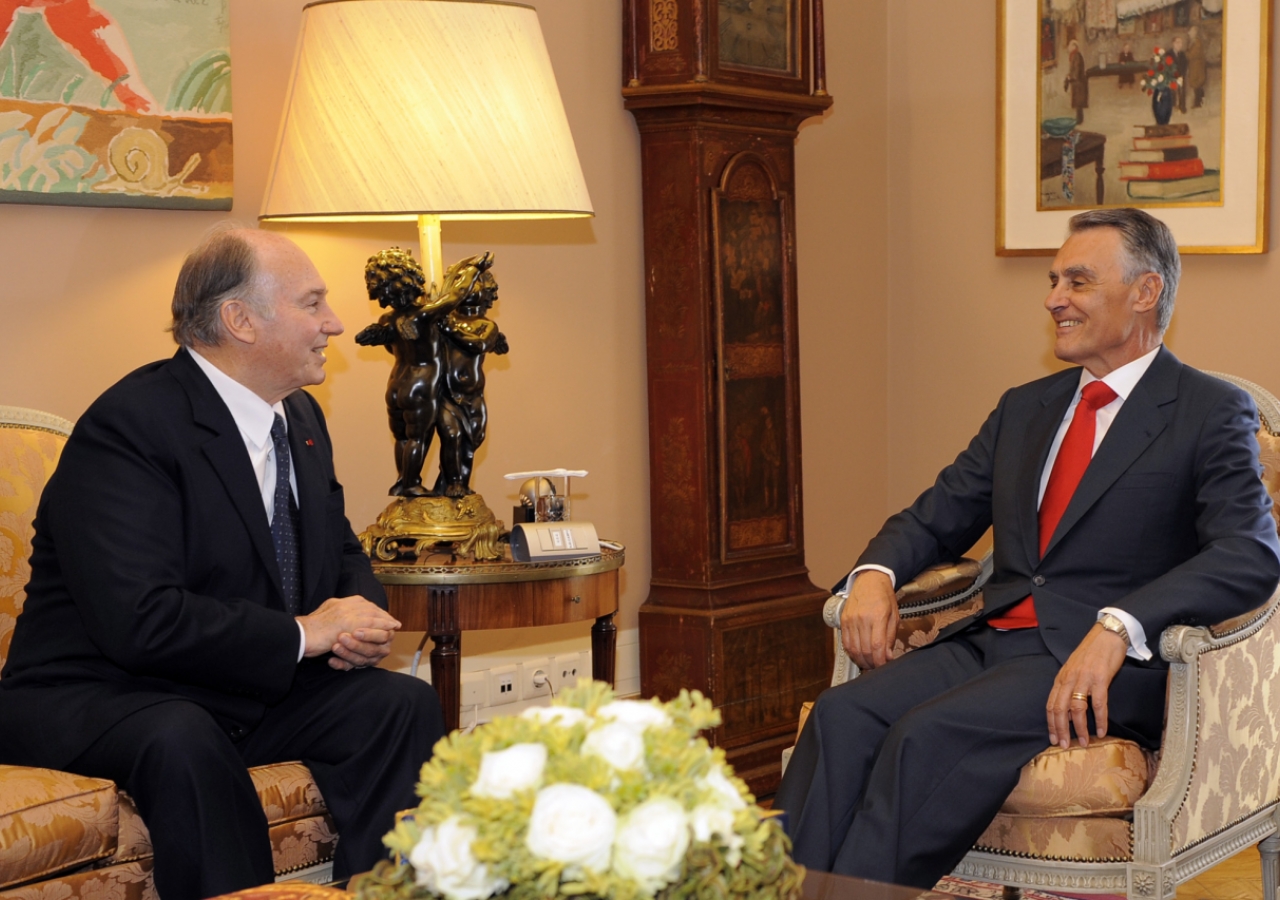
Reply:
x=310, y=443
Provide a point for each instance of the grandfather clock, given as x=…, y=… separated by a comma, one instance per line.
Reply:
x=718, y=89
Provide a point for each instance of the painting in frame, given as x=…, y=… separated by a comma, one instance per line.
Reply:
x=116, y=103
x=1132, y=106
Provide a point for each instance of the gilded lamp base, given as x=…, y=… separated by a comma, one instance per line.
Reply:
x=418, y=523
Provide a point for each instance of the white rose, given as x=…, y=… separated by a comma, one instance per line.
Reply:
x=723, y=789
x=503, y=772
x=443, y=861
x=568, y=716
x=638, y=714
x=572, y=824
x=715, y=822
x=651, y=843
x=621, y=746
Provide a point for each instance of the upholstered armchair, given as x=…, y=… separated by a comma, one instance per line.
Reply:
x=67, y=836
x=1112, y=818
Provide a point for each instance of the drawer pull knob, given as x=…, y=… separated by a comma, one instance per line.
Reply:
x=575, y=599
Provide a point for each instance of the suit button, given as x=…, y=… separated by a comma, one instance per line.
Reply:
x=1038, y=581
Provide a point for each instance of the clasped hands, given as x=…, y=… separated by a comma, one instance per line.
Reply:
x=357, y=632
x=869, y=626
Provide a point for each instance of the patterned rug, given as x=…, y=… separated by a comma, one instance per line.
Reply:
x=986, y=890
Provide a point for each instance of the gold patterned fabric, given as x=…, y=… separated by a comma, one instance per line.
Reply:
x=918, y=631
x=27, y=459
x=1081, y=838
x=287, y=792
x=1269, y=454
x=1239, y=705
x=1104, y=779
x=52, y=821
x=302, y=843
x=130, y=881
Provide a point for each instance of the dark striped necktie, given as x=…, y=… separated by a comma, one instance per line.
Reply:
x=284, y=523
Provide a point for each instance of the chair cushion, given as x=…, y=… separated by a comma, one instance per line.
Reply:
x=1104, y=779
x=51, y=821
x=1079, y=838
x=288, y=795
x=127, y=881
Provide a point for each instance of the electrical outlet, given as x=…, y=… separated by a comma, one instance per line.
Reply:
x=502, y=685
x=535, y=678
x=568, y=669
x=474, y=689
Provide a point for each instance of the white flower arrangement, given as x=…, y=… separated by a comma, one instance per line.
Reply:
x=591, y=797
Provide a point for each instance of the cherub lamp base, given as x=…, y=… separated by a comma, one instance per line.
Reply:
x=414, y=524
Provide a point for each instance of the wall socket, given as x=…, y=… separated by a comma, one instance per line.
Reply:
x=533, y=671
x=502, y=685
x=568, y=668
x=474, y=689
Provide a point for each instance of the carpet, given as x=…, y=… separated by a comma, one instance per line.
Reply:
x=986, y=890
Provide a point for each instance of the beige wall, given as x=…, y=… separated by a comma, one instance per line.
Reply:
x=910, y=326
x=964, y=324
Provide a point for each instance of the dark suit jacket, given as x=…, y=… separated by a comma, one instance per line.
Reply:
x=153, y=573
x=1169, y=523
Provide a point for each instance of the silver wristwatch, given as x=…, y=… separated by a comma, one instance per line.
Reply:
x=1115, y=625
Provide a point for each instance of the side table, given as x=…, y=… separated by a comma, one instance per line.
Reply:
x=455, y=595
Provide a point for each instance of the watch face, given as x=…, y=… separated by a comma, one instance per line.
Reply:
x=756, y=33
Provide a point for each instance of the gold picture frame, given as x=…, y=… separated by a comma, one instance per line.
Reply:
x=1233, y=219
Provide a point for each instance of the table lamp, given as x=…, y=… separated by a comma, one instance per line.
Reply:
x=426, y=111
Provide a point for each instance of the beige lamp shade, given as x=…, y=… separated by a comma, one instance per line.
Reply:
x=403, y=108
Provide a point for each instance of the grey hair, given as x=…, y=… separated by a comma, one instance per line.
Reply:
x=222, y=267
x=1149, y=246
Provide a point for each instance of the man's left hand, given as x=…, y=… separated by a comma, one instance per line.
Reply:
x=361, y=648
x=1088, y=671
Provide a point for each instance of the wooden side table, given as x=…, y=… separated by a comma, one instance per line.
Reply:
x=443, y=600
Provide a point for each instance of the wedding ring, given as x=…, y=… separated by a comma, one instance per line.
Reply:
x=1079, y=696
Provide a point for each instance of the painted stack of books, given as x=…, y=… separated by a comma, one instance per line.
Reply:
x=1165, y=165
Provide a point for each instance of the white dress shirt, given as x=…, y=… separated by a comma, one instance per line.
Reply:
x=1122, y=380
x=254, y=417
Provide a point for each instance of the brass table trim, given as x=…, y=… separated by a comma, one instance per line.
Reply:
x=499, y=572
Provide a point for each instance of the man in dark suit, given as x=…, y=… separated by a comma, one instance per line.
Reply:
x=198, y=603
x=1153, y=513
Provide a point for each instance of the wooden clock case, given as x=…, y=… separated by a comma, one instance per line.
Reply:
x=731, y=609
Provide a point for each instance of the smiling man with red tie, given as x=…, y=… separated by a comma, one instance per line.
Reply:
x=1125, y=496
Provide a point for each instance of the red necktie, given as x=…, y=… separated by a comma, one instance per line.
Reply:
x=1073, y=458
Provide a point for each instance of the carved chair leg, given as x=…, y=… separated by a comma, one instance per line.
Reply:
x=1270, y=851
x=1011, y=893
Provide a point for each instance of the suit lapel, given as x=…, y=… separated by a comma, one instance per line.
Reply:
x=1039, y=437
x=226, y=454
x=1140, y=420
x=305, y=442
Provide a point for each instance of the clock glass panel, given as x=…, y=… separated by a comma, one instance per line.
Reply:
x=756, y=33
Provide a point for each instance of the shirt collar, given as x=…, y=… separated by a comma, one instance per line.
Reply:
x=253, y=415
x=1124, y=379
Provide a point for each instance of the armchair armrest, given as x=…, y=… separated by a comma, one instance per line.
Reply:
x=928, y=603
x=1222, y=706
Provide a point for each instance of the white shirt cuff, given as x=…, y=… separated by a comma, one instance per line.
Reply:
x=848, y=583
x=1137, y=635
x=302, y=641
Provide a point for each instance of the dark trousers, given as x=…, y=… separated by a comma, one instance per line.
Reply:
x=364, y=734
x=898, y=772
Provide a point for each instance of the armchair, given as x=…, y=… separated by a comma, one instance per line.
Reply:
x=70, y=836
x=1113, y=818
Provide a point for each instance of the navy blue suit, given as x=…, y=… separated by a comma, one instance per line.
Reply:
x=155, y=606
x=900, y=770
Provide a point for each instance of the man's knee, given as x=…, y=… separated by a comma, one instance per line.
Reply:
x=182, y=737
x=394, y=696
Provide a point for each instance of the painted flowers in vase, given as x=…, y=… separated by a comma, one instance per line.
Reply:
x=590, y=797
x=1160, y=82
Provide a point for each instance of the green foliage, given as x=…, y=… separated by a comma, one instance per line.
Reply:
x=751, y=862
x=205, y=86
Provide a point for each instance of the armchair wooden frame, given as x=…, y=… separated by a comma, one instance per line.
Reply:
x=1216, y=789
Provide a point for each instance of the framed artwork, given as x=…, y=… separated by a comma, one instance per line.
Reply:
x=1130, y=116
x=115, y=103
